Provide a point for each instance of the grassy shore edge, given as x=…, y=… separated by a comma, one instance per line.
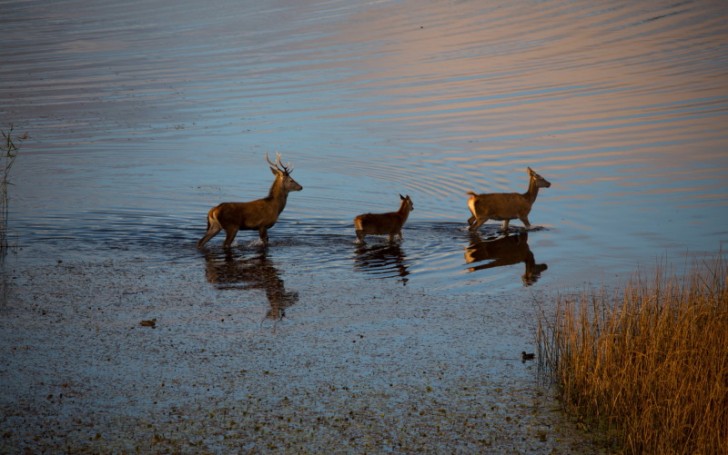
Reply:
x=647, y=369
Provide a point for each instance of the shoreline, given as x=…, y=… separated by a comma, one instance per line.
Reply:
x=359, y=370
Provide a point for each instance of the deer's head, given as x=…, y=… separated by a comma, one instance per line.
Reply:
x=537, y=180
x=407, y=203
x=283, y=174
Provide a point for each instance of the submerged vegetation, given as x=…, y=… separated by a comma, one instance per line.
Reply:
x=8, y=152
x=647, y=369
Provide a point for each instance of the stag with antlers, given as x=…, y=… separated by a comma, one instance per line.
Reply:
x=258, y=215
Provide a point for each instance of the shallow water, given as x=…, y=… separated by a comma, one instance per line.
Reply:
x=143, y=115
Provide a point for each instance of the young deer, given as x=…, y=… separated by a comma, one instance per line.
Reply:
x=383, y=223
x=505, y=206
x=258, y=215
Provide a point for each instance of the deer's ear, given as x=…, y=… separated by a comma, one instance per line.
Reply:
x=274, y=171
x=530, y=171
x=401, y=197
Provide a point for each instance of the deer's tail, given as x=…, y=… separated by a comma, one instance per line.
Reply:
x=212, y=220
x=213, y=227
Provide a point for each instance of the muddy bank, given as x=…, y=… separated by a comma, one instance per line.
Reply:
x=356, y=369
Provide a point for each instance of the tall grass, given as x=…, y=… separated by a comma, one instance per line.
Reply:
x=648, y=368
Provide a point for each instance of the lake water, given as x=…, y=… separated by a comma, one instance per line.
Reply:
x=143, y=115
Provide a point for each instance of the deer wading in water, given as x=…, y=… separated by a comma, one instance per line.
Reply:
x=383, y=223
x=258, y=215
x=505, y=206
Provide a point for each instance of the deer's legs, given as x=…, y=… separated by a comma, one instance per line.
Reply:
x=360, y=236
x=263, y=233
x=524, y=220
x=505, y=226
x=212, y=231
x=477, y=223
x=230, y=236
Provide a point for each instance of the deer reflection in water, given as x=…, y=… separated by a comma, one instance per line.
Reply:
x=502, y=251
x=252, y=273
x=384, y=260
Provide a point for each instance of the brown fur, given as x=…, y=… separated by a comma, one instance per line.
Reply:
x=383, y=223
x=505, y=206
x=259, y=215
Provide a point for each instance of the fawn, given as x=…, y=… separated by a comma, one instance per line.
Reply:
x=383, y=223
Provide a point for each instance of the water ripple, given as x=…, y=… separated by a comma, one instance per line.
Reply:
x=143, y=115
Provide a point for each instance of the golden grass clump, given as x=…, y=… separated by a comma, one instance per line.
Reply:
x=647, y=369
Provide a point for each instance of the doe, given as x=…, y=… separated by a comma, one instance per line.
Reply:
x=505, y=206
x=383, y=223
x=259, y=215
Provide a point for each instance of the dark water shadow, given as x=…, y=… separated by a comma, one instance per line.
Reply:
x=386, y=260
x=503, y=251
x=226, y=271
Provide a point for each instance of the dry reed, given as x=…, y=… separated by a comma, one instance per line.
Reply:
x=8, y=152
x=648, y=369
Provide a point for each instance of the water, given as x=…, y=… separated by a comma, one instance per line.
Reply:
x=144, y=115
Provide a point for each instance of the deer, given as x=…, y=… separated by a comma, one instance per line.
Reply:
x=505, y=206
x=259, y=215
x=383, y=223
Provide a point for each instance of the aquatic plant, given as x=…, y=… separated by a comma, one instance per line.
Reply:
x=648, y=369
x=8, y=152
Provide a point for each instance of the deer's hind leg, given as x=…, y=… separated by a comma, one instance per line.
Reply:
x=477, y=222
x=212, y=230
x=472, y=202
x=359, y=229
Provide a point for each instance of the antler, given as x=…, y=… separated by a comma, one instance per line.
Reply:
x=285, y=168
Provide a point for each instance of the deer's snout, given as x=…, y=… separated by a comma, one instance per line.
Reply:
x=294, y=186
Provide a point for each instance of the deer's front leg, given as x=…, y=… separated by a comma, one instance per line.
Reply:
x=524, y=220
x=263, y=232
